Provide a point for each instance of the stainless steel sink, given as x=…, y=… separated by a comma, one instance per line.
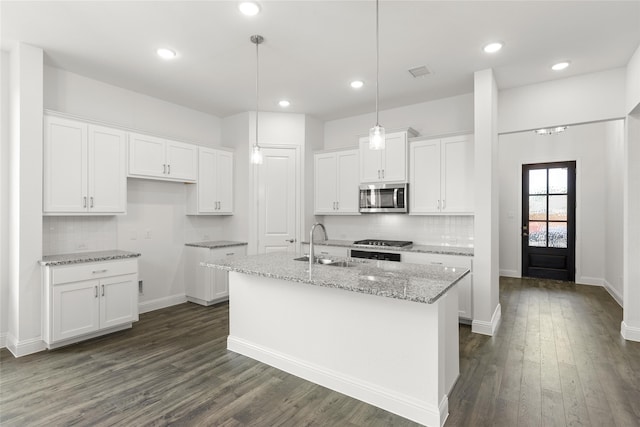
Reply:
x=326, y=261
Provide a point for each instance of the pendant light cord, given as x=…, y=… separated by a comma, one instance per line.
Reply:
x=257, y=88
x=377, y=61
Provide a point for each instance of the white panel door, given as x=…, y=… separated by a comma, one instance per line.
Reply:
x=181, y=161
x=65, y=166
x=118, y=300
x=146, y=156
x=207, y=180
x=348, y=191
x=326, y=183
x=107, y=177
x=370, y=162
x=277, y=189
x=424, y=182
x=76, y=309
x=394, y=164
x=457, y=174
x=224, y=182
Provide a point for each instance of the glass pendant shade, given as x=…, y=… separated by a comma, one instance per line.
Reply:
x=256, y=155
x=376, y=138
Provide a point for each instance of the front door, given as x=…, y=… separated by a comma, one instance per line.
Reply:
x=549, y=220
x=277, y=190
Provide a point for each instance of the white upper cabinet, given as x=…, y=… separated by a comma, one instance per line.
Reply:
x=84, y=168
x=157, y=158
x=336, y=183
x=388, y=165
x=441, y=177
x=213, y=193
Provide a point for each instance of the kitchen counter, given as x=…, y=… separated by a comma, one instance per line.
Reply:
x=430, y=249
x=215, y=244
x=80, y=257
x=412, y=282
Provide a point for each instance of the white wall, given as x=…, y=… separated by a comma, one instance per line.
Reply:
x=4, y=194
x=314, y=141
x=613, y=228
x=580, y=99
x=633, y=83
x=586, y=144
x=444, y=116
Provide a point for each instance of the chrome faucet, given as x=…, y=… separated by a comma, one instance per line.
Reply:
x=312, y=257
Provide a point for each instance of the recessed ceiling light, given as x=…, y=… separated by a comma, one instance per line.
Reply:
x=284, y=103
x=357, y=84
x=493, y=47
x=560, y=66
x=165, y=53
x=249, y=8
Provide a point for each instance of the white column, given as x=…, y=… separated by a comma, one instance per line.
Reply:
x=25, y=200
x=630, y=328
x=486, y=304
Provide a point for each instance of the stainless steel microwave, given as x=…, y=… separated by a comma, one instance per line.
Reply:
x=384, y=198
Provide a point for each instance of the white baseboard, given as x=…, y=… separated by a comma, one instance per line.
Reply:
x=584, y=280
x=23, y=348
x=164, y=302
x=630, y=333
x=488, y=328
x=614, y=293
x=510, y=273
x=405, y=406
x=3, y=340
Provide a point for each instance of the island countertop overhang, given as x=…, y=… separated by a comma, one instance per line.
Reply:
x=411, y=282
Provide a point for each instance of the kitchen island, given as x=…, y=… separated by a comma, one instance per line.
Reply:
x=382, y=332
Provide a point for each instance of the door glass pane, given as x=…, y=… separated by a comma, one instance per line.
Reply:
x=558, y=180
x=537, y=234
x=538, y=208
x=558, y=235
x=557, y=208
x=538, y=181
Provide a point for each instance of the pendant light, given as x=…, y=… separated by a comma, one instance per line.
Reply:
x=376, y=133
x=256, y=152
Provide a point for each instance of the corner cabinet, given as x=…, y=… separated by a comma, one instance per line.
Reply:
x=157, y=158
x=388, y=165
x=336, y=183
x=84, y=168
x=213, y=192
x=441, y=176
x=86, y=300
x=204, y=285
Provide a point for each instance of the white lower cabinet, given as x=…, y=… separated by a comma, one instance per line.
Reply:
x=87, y=300
x=204, y=285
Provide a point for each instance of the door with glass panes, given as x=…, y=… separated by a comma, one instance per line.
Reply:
x=548, y=220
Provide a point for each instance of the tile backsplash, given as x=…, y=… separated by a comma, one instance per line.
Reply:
x=67, y=234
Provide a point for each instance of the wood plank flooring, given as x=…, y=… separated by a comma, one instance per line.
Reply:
x=558, y=359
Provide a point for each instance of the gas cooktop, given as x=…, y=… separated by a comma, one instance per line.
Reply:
x=385, y=243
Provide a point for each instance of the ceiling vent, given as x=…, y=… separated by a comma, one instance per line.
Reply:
x=419, y=71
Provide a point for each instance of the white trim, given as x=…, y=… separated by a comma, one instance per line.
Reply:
x=614, y=293
x=164, y=302
x=510, y=273
x=3, y=339
x=488, y=328
x=381, y=397
x=23, y=348
x=593, y=281
x=629, y=333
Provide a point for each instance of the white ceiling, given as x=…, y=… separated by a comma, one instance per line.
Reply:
x=313, y=49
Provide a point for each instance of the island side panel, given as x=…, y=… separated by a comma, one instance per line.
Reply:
x=392, y=353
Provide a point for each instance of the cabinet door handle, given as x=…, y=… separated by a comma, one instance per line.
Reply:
x=435, y=263
x=438, y=204
x=96, y=290
x=164, y=168
x=378, y=173
x=168, y=169
x=231, y=253
x=99, y=271
x=102, y=290
x=382, y=173
x=84, y=202
x=91, y=199
x=337, y=206
x=219, y=205
x=444, y=204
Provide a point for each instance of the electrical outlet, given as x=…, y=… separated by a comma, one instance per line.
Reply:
x=140, y=290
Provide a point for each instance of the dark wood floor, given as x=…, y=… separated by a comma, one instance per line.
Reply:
x=557, y=359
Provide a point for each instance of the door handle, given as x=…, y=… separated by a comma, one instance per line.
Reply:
x=168, y=169
x=102, y=290
x=96, y=290
x=382, y=173
x=290, y=240
x=84, y=202
x=378, y=173
x=164, y=168
x=337, y=206
x=91, y=199
x=444, y=204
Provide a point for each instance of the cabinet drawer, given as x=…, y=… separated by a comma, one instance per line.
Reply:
x=220, y=253
x=320, y=250
x=445, y=260
x=75, y=273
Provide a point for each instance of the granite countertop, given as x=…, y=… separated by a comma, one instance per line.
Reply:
x=80, y=257
x=444, y=249
x=412, y=282
x=214, y=244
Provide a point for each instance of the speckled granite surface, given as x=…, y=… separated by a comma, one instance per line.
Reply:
x=427, y=249
x=77, y=258
x=413, y=282
x=214, y=244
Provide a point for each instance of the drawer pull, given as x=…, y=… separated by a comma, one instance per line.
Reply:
x=436, y=263
x=99, y=271
x=231, y=253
